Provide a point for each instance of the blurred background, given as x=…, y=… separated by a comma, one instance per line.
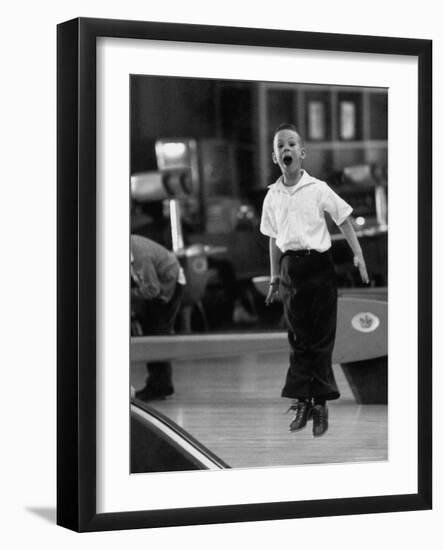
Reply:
x=200, y=166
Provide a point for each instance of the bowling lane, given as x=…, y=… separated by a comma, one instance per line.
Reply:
x=232, y=406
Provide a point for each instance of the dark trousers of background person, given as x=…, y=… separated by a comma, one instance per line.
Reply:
x=158, y=318
x=308, y=288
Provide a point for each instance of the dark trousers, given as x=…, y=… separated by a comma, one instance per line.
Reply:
x=308, y=289
x=158, y=318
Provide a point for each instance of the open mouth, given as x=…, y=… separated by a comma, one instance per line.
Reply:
x=287, y=160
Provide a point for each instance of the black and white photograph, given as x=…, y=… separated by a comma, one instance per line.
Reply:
x=220, y=283
x=244, y=255
x=258, y=273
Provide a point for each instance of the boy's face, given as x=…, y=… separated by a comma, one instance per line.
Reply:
x=288, y=151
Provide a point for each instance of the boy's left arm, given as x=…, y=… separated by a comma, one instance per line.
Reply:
x=348, y=231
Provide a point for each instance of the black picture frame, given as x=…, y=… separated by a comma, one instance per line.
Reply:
x=76, y=264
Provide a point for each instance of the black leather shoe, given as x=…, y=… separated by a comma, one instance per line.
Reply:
x=320, y=418
x=302, y=411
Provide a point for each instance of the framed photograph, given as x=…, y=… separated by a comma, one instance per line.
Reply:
x=243, y=229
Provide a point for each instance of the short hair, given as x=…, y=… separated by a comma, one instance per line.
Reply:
x=288, y=126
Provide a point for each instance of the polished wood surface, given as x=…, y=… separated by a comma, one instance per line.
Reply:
x=205, y=345
x=233, y=406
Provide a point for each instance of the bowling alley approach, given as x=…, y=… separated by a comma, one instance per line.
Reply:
x=258, y=274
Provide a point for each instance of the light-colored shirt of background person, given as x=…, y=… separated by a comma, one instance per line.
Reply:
x=155, y=269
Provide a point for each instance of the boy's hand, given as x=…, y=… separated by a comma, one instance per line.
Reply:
x=361, y=265
x=272, y=292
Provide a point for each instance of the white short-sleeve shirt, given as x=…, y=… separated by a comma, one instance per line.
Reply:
x=294, y=215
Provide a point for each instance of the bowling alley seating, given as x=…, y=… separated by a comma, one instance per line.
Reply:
x=368, y=378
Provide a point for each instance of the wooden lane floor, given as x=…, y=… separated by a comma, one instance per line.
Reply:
x=233, y=406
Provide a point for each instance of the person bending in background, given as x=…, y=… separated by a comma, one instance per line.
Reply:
x=156, y=292
x=302, y=272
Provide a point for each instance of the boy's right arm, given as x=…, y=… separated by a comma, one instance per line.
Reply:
x=274, y=257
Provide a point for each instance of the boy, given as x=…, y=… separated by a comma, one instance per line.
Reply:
x=303, y=274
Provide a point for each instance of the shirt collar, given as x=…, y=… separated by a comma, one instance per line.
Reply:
x=305, y=179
